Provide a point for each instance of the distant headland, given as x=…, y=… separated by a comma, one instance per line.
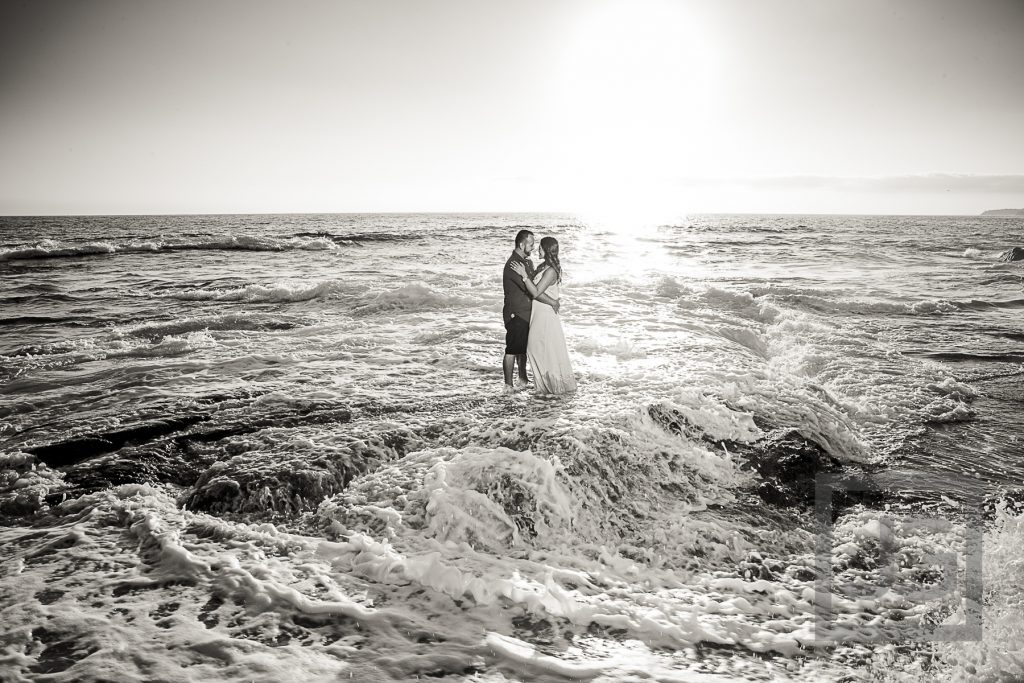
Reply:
x=1003, y=212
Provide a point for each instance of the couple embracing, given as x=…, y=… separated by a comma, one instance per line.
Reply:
x=533, y=331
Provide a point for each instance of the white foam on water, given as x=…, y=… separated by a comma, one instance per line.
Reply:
x=277, y=292
x=115, y=611
x=117, y=603
x=53, y=248
x=999, y=655
x=622, y=348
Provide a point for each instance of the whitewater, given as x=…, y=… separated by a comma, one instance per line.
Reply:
x=276, y=448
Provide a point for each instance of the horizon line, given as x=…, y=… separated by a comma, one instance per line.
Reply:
x=479, y=213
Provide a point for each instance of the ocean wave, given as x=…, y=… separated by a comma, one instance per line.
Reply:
x=670, y=287
x=540, y=487
x=63, y=321
x=739, y=303
x=54, y=249
x=982, y=304
x=1002, y=277
x=37, y=288
x=433, y=337
x=91, y=349
x=965, y=357
x=226, y=321
x=359, y=237
x=414, y=297
x=947, y=412
x=745, y=337
x=169, y=345
x=256, y=293
x=761, y=302
x=954, y=389
x=490, y=498
x=823, y=304
x=68, y=249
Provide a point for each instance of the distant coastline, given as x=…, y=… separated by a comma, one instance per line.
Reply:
x=1003, y=212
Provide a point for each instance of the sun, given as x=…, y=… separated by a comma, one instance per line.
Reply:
x=632, y=109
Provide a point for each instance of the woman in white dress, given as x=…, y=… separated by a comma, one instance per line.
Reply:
x=545, y=350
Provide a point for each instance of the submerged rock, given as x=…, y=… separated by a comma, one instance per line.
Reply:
x=788, y=462
x=74, y=451
x=190, y=427
x=1012, y=254
x=263, y=477
x=168, y=462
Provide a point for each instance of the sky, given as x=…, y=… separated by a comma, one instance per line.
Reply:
x=608, y=107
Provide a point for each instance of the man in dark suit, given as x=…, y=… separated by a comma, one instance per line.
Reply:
x=517, y=308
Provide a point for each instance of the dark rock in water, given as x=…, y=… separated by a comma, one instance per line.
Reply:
x=774, y=494
x=73, y=451
x=1003, y=212
x=289, y=482
x=174, y=450
x=163, y=463
x=788, y=462
x=23, y=504
x=1012, y=254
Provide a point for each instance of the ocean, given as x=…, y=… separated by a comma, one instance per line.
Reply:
x=276, y=448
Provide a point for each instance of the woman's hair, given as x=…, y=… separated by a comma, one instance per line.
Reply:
x=550, y=247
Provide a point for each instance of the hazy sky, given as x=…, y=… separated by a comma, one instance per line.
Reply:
x=635, y=106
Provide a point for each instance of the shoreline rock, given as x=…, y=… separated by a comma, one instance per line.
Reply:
x=1012, y=254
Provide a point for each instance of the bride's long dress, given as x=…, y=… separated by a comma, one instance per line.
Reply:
x=546, y=351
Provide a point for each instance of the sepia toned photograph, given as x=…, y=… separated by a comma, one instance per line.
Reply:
x=534, y=341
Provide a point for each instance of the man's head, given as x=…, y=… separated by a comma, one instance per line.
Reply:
x=524, y=241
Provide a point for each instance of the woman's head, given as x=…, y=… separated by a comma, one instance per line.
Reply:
x=549, y=245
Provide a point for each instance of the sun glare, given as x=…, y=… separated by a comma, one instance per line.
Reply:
x=633, y=99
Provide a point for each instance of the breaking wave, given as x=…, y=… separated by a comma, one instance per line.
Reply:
x=66, y=249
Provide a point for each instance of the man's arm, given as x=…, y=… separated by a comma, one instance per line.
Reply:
x=536, y=291
x=545, y=299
